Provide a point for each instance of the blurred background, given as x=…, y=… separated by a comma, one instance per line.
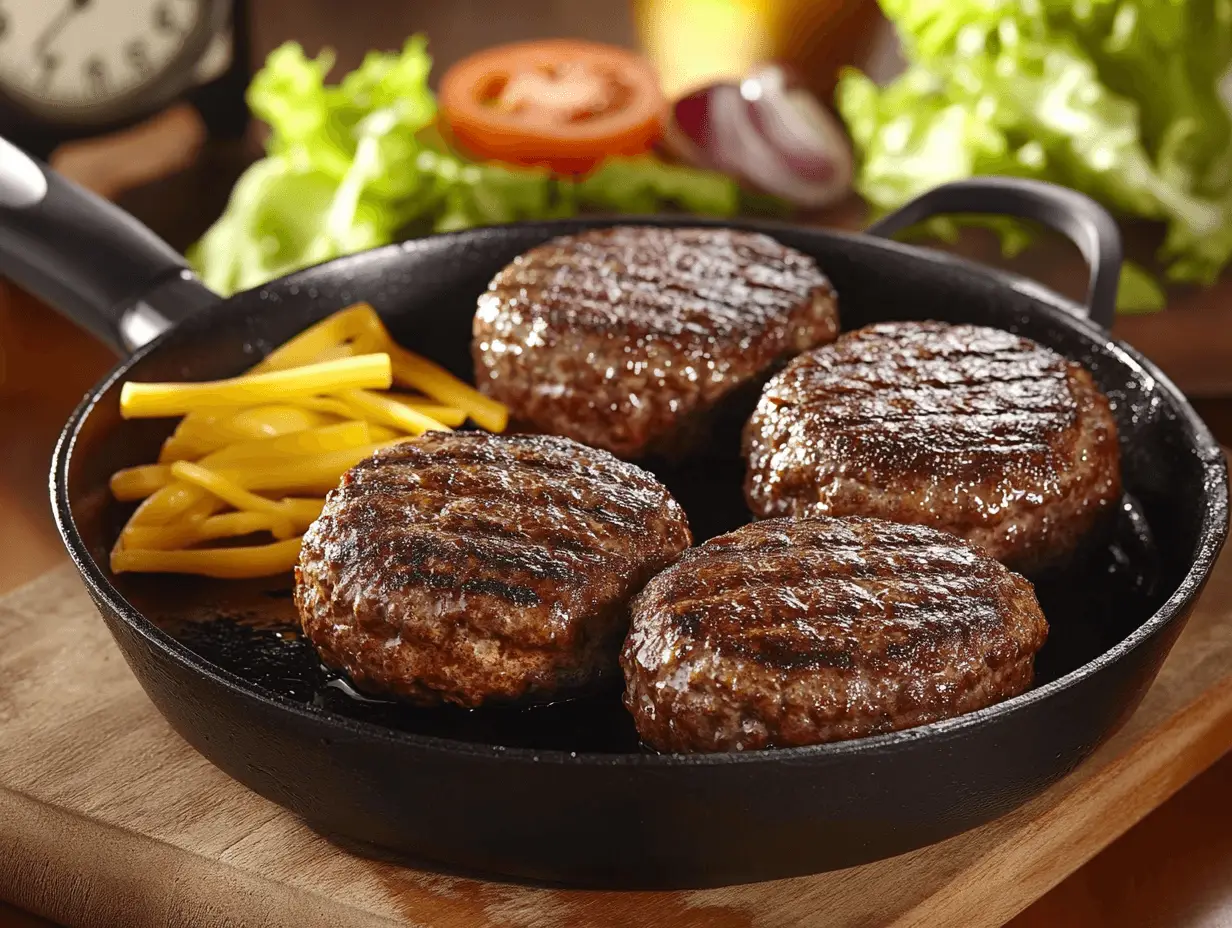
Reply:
x=147, y=102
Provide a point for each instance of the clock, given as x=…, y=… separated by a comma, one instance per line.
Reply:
x=73, y=68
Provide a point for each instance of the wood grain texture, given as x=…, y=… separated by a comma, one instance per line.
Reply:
x=1171, y=869
x=106, y=817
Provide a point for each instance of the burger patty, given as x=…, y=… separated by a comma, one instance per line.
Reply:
x=466, y=567
x=969, y=429
x=628, y=338
x=789, y=632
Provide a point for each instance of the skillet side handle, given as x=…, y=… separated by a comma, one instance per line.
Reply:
x=88, y=258
x=1083, y=221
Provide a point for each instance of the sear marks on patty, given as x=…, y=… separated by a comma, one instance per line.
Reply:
x=628, y=338
x=970, y=429
x=790, y=632
x=466, y=567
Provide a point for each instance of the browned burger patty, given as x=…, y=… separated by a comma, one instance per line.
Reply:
x=466, y=567
x=789, y=632
x=969, y=429
x=624, y=337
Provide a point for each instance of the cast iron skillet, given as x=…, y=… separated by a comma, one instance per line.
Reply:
x=565, y=794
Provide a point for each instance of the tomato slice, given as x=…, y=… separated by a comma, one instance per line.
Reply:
x=563, y=103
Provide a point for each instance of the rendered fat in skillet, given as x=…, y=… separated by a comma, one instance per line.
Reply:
x=631, y=338
x=965, y=428
x=467, y=568
x=790, y=632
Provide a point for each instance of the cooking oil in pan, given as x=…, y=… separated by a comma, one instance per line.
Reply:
x=249, y=629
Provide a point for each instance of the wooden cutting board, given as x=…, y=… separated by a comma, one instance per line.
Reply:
x=108, y=818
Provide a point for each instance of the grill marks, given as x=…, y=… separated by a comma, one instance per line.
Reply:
x=660, y=282
x=638, y=339
x=473, y=568
x=800, y=631
x=965, y=428
x=956, y=400
x=496, y=517
x=812, y=595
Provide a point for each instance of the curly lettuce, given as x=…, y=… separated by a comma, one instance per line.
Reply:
x=358, y=164
x=1120, y=99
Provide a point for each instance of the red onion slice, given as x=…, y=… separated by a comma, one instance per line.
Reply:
x=770, y=134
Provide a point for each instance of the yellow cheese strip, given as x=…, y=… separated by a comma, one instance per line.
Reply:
x=201, y=433
x=385, y=411
x=225, y=563
x=195, y=531
x=367, y=371
x=410, y=370
x=327, y=334
x=445, y=415
x=235, y=495
x=134, y=483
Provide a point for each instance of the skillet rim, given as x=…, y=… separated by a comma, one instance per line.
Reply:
x=1213, y=530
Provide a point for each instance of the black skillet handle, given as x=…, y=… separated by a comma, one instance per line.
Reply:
x=87, y=258
x=1083, y=221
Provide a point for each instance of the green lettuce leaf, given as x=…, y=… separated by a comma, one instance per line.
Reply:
x=359, y=163
x=644, y=184
x=1117, y=98
x=1138, y=292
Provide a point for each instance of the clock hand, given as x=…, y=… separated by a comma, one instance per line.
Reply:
x=56, y=26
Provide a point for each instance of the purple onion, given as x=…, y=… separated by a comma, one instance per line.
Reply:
x=769, y=133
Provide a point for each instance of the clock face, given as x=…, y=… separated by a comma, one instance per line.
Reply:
x=84, y=60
